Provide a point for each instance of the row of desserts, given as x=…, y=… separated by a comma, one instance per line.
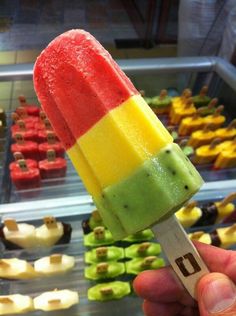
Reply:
x=203, y=125
x=21, y=235
x=38, y=153
x=48, y=301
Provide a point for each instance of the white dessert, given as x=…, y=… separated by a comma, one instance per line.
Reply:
x=50, y=232
x=55, y=300
x=15, y=304
x=22, y=235
x=16, y=269
x=55, y=264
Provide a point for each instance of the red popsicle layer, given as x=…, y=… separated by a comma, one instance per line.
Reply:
x=68, y=80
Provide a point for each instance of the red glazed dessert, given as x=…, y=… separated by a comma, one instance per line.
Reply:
x=28, y=134
x=52, y=167
x=25, y=177
x=31, y=109
x=51, y=143
x=18, y=156
x=23, y=115
x=28, y=149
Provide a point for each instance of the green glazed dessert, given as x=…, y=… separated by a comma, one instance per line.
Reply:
x=104, y=254
x=137, y=265
x=104, y=270
x=98, y=237
x=143, y=235
x=109, y=291
x=144, y=249
x=202, y=99
x=161, y=104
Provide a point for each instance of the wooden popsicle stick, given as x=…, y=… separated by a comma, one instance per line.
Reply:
x=203, y=91
x=23, y=165
x=142, y=92
x=47, y=124
x=228, y=199
x=15, y=117
x=147, y=262
x=51, y=137
x=54, y=301
x=218, y=110
x=50, y=222
x=163, y=94
x=22, y=112
x=18, y=155
x=101, y=252
x=231, y=125
x=4, y=264
x=181, y=253
x=6, y=300
x=22, y=100
x=102, y=267
x=231, y=230
x=56, y=259
x=42, y=116
x=197, y=235
x=21, y=125
x=19, y=138
x=51, y=155
x=212, y=103
x=11, y=224
x=188, y=103
x=143, y=247
x=214, y=143
x=106, y=291
x=188, y=207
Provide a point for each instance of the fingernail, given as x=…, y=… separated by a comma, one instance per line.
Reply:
x=219, y=295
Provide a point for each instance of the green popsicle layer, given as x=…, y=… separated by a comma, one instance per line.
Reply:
x=159, y=187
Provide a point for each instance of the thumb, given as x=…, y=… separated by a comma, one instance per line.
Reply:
x=216, y=295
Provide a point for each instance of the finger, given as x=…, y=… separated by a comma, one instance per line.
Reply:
x=218, y=260
x=216, y=295
x=163, y=286
x=154, y=309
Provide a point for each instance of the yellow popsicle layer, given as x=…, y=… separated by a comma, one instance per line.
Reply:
x=121, y=141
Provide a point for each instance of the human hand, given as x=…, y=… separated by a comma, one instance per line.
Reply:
x=164, y=294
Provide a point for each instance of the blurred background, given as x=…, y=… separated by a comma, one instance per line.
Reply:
x=127, y=28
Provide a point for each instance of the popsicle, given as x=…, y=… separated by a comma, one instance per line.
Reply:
x=25, y=177
x=15, y=304
x=52, y=167
x=51, y=143
x=228, y=132
x=16, y=269
x=28, y=134
x=226, y=159
x=208, y=153
x=31, y=109
x=18, y=156
x=161, y=104
x=216, y=119
x=55, y=300
x=28, y=148
x=202, y=137
x=19, y=235
x=54, y=264
x=190, y=124
x=122, y=152
x=183, y=111
x=202, y=98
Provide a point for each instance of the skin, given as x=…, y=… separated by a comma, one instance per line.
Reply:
x=171, y=299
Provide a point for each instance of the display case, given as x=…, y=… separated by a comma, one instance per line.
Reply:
x=67, y=200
